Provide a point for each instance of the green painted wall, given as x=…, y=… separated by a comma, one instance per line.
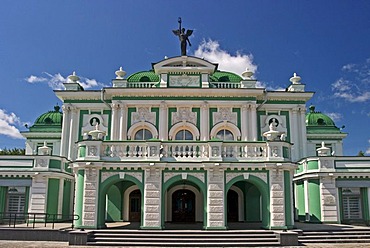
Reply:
x=365, y=205
x=55, y=164
x=129, y=115
x=156, y=111
x=238, y=116
x=252, y=203
x=287, y=199
x=197, y=110
x=52, y=196
x=114, y=204
x=66, y=209
x=170, y=111
x=300, y=201
x=3, y=191
x=300, y=168
x=314, y=200
x=312, y=165
x=211, y=111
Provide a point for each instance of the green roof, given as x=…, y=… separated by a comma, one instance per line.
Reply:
x=143, y=76
x=224, y=76
x=49, y=122
x=317, y=122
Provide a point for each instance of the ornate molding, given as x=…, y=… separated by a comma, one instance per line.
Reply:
x=184, y=114
x=231, y=175
x=225, y=114
x=143, y=114
x=184, y=175
x=105, y=175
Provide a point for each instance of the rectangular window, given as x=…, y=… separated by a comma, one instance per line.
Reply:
x=351, y=204
x=16, y=199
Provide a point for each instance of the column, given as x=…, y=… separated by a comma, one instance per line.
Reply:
x=122, y=122
x=253, y=122
x=163, y=121
x=277, y=201
x=60, y=197
x=152, y=199
x=303, y=132
x=306, y=200
x=65, y=131
x=114, y=131
x=244, y=123
x=73, y=125
x=90, y=198
x=294, y=133
x=215, y=199
x=204, y=122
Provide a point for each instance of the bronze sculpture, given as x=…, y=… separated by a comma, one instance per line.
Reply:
x=184, y=37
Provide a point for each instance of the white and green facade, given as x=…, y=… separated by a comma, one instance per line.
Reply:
x=184, y=142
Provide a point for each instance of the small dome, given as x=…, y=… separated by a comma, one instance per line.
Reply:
x=224, y=76
x=318, y=119
x=49, y=122
x=143, y=76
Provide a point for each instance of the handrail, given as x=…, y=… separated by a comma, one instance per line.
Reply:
x=15, y=217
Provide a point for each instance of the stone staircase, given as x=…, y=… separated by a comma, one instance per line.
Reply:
x=346, y=235
x=183, y=238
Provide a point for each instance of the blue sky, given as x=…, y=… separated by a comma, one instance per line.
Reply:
x=326, y=42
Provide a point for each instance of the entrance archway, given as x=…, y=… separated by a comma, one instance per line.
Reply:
x=247, y=200
x=183, y=206
x=120, y=199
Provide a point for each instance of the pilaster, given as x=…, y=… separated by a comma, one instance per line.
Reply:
x=152, y=199
x=65, y=131
x=38, y=194
x=204, y=122
x=294, y=133
x=244, y=123
x=328, y=201
x=123, y=122
x=215, y=199
x=73, y=125
x=114, y=121
x=302, y=132
x=163, y=121
x=90, y=198
x=277, y=201
x=253, y=122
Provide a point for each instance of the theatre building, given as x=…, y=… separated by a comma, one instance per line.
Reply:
x=183, y=142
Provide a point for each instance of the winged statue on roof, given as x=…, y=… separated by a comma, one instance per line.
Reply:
x=183, y=36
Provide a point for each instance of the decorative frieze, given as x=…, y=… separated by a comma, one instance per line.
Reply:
x=169, y=175
x=232, y=175
x=225, y=114
x=105, y=175
x=184, y=114
x=143, y=114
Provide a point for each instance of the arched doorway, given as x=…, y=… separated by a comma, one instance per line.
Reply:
x=233, y=206
x=183, y=206
x=135, y=206
x=247, y=201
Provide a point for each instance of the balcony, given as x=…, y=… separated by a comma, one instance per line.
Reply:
x=195, y=151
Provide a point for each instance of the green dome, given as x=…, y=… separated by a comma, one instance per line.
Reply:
x=224, y=76
x=49, y=122
x=143, y=76
x=319, y=123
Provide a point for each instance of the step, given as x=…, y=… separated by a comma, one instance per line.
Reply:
x=334, y=241
x=141, y=235
x=206, y=239
x=179, y=244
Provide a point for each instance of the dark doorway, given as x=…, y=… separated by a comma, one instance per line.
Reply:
x=232, y=206
x=135, y=206
x=183, y=206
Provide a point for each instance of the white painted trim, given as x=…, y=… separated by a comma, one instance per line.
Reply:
x=228, y=126
x=240, y=202
x=184, y=125
x=142, y=125
x=126, y=202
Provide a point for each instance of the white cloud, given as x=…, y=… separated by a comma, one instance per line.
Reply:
x=211, y=51
x=368, y=149
x=56, y=81
x=8, y=125
x=354, y=85
x=335, y=116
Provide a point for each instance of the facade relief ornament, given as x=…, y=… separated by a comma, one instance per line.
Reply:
x=230, y=176
x=143, y=114
x=169, y=175
x=105, y=175
x=184, y=114
x=225, y=114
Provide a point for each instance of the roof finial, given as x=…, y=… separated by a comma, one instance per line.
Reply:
x=184, y=37
x=120, y=73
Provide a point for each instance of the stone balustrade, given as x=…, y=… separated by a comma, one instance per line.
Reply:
x=195, y=151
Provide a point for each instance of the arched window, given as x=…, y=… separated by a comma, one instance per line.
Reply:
x=184, y=135
x=143, y=134
x=225, y=134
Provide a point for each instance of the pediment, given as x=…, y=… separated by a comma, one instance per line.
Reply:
x=184, y=65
